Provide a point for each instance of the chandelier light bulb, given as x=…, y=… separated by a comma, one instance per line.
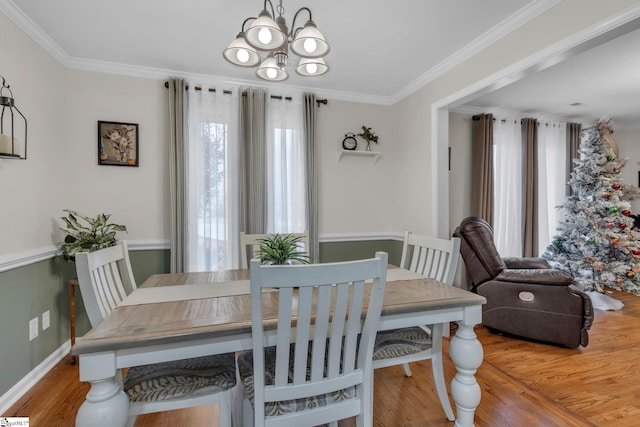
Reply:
x=312, y=68
x=242, y=55
x=264, y=35
x=309, y=42
x=269, y=70
x=272, y=73
x=310, y=45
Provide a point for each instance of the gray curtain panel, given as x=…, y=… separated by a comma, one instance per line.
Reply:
x=530, y=229
x=482, y=167
x=310, y=114
x=177, y=210
x=574, y=131
x=252, y=170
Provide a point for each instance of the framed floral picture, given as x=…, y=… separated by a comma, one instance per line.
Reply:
x=118, y=144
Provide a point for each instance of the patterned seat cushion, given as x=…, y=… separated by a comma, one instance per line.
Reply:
x=181, y=379
x=245, y=368
x=400, y=342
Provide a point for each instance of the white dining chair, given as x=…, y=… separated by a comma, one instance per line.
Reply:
x=313, y=364
x=437, y=259
x=250, y=245
x=105, y=278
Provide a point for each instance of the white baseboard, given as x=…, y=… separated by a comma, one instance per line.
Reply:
x=25, y=384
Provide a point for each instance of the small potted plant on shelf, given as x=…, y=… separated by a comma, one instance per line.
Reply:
x=86, y=234
x=368, y=135
x=282, y=249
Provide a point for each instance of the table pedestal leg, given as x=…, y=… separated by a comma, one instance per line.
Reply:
x=105, y=405
x=466, y=353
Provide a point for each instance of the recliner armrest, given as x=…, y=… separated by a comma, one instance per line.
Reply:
x=547, y=276
x=588, y=309
x=531, y=262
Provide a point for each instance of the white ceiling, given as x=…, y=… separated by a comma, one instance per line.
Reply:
x=604, y=80
x=380, y=50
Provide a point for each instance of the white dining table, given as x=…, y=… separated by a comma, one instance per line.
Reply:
x=184, y=315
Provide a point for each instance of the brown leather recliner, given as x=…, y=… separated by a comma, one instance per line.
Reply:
x=525, y=297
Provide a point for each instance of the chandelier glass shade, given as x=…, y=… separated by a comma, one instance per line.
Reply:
x=272, y=36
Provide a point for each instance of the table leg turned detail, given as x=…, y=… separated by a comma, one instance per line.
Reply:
x=106, y=405
x=466, y=353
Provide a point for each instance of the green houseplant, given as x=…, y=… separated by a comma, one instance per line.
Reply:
x=281, y=249
x=86, y=234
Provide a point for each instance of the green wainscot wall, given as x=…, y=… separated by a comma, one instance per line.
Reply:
x=27, y=292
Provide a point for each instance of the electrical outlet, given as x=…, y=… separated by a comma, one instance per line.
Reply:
x=33, y=328
x=46, y=320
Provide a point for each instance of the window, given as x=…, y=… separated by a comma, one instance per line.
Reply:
x=286, y=171
x=509, y=181
x=213, y=181
x=212, y=202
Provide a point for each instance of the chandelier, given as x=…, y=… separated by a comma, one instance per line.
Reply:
x=273, y=37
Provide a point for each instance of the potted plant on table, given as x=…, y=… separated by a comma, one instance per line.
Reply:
x=282, y=249
x=86, y=234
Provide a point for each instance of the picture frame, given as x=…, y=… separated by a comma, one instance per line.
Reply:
x=118, y=144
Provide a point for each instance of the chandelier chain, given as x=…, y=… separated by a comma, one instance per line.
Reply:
x=280, y=9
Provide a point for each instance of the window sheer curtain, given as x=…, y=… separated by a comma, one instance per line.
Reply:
x=212, y=182
x=508, y=186
x=552, y=165
x=286, y=167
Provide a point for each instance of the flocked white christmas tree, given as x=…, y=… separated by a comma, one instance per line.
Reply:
x=597, y=243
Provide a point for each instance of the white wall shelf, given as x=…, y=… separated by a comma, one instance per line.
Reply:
x=352, y=153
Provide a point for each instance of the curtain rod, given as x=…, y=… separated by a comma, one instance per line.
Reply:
x=477, y=118
x=228, y=92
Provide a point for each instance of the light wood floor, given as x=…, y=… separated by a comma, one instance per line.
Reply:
x=523, y=384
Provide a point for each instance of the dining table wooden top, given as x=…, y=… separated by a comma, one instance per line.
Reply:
x=158, y=323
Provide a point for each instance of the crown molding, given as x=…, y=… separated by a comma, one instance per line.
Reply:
x=469, y=109
x=505, y=27
x=22, y=20
x=158, y=73
x=578, y=42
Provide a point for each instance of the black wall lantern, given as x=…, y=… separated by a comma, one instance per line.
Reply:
x=10, y=146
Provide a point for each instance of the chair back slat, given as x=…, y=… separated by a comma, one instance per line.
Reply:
x=105, y=279
x=285, y=314
x=353, y=328
x=431, y=257
x=322, y=343
x=303, y=331
x=107, y=296
x=340, y=312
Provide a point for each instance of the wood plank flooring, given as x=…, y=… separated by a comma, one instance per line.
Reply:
x=523, y=383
